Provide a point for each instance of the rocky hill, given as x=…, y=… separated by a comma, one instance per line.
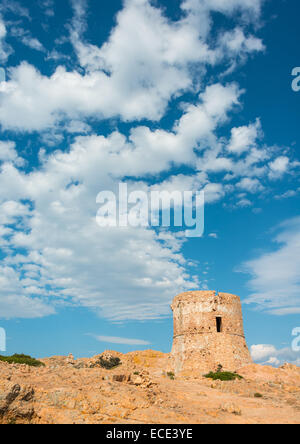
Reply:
x=142, y=389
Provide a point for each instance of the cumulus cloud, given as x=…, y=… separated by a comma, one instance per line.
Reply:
x=8, y=153
x=5, y=49
x=250, y=185
x=133, y=75
x=10, y=210
x=244, y=138
x=275, y=277
x=236, y=42
x=66, y=258
x=278, y=167
x=260, y=352
x=238, y=46
x=33, y=43
x=288, y=194
x=77, y=262
x=54, y=252
x=74, y=260
x=266, y=354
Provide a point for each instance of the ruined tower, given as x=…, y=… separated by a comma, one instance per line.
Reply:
x=208, y=332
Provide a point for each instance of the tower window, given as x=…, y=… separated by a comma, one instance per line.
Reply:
x=219, y=325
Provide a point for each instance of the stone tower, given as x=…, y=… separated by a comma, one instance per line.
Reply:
x=208, y=332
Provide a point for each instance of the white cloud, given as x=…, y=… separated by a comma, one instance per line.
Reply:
x=8, y=153
x=15, y=302
x=244, y=138
x=244, y=203
x=238, y=46
x=250, y=185
x=236, y=42
x=123, y=341
x=15, y=8
x=275, y=275
x=48, y=7
x=2, y=30
x=288, y=194
x=33, y=43
x=5, y=49
x=261, y=352
x=49, y=213
x=77, y=261
x=10, y=210
x=26, y=38
x=213, y=192
x=278, y=167
x=133, y=75
x=250, y=8
x=266, y=354
x=150, y=152
x=77, y=127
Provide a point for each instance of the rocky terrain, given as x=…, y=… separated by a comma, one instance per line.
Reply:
x=68, y=391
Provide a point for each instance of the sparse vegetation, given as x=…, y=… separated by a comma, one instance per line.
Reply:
x=110, y=363
x=223, y=376
x=171, y=375
x=22, y=359
x=258, y=395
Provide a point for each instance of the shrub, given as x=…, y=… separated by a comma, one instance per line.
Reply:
x=258, y=395
x=171, y=375
x=22, y=359
x=223, y=376
x=110, y=363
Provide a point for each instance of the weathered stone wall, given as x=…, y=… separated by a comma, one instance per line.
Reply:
x=197, y=344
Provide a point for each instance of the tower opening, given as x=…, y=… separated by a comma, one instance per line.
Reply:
x=219, y=324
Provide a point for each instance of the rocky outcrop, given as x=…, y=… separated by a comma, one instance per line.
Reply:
x=140, y=390
x=16, y=403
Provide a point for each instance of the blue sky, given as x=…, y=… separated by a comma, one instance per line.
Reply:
x=169, y=94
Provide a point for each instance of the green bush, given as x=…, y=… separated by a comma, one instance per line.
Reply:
x=22, y=359
x=110, y=363
x=223, y=376
x=171, y=375
x=258, y=395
